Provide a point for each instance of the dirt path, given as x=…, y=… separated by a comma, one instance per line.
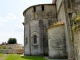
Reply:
x=4, y=56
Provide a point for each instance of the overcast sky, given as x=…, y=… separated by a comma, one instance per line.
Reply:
x=11, y=18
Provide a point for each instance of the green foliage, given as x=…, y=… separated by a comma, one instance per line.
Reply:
x=4, y=47
x=9, y=48
x=77, y=18
x=18, y=57
x=12, y=41
x=74, y=27
x=75, y=21
x=0, y=47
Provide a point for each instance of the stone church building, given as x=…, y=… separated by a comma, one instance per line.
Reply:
x=37, y=19
x=48, y=29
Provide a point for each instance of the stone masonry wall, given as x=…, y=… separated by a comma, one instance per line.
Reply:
x=6, y=51
x=57, y=42
x=58, y=3
x=35, y=23
x=77, y=45
x=62, y=15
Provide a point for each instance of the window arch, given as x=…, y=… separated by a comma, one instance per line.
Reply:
x=35, y=38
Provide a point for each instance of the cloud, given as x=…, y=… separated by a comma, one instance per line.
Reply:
x=1, y=24
x=11, y=16
x=32, y=2
x=4, y=34
x=20, y=27
x=3, y=19
x=21, y=18
x=0, y=18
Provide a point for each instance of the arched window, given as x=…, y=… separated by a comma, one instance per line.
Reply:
x=35, y=39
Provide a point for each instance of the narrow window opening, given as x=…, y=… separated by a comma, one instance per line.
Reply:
x=42, y=7
x=35, y=39
x=26, y=41
x=34, y=9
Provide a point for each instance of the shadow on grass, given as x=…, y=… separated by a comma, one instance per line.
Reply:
x=33, y=57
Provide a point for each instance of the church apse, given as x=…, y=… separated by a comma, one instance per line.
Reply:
x=36, y=20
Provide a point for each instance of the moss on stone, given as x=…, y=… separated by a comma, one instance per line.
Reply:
x=56, y=24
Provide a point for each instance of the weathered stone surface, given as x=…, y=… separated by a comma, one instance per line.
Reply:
x=62, y=14
x=77, y=44
x=57, y=42
x=36, y=23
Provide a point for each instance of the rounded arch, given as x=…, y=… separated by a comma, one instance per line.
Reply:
x=34, y=33
x=35, y=37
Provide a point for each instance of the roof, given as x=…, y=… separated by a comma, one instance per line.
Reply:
x=35, y=5
x=56, y=24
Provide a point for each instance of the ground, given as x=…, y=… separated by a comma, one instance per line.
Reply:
x=3, y=56
x=21, y=57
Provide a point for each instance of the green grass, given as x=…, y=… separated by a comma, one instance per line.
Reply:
x=1, y=55
x=18, y=57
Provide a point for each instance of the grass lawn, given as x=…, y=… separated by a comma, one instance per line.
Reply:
x=1, y=55
x=18, y=57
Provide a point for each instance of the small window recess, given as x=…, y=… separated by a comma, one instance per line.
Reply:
x=34, y=8
x=35, y=39
x=42, y=7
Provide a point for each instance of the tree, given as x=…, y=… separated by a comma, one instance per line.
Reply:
x=12, y=41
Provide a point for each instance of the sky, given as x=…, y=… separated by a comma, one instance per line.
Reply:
x=11, y=18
